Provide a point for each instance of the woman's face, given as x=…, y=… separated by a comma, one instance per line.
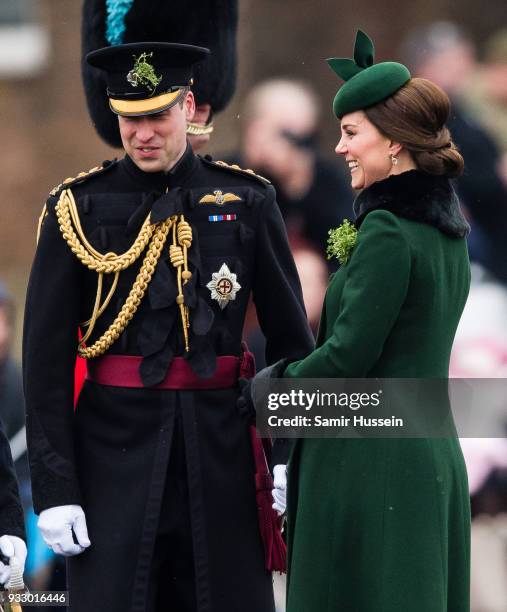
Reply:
x=366, y=150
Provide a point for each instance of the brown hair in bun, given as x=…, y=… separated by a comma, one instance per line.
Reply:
x=415, y=117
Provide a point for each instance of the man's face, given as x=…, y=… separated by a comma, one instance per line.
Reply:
x=266, y=146
x=156, y=142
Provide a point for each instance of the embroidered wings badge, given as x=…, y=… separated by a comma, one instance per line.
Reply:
x=218, y=198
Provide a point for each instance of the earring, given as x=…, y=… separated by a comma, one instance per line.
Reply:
x=394, y=159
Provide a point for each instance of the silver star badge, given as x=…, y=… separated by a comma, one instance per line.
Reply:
x=223, y=286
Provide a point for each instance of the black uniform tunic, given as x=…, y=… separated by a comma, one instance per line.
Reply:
x=126, y=455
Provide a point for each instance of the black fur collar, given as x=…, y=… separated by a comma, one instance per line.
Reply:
x=416, y=196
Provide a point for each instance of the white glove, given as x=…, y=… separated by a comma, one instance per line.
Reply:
x=279, y=491
x=57, y=525
x=11, y=546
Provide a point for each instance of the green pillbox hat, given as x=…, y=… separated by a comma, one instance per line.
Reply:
x=366, y=83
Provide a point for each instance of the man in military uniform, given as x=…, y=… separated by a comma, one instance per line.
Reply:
x=154, y=258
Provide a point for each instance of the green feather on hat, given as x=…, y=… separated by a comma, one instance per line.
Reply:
x=366, y=83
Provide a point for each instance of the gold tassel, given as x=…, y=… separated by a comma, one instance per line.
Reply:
x=178, y=254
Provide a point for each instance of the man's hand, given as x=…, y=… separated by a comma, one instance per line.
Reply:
x=279, y=491
x=57, y=526
x=11, y=546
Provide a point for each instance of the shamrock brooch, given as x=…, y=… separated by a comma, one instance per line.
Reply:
x=341, y=241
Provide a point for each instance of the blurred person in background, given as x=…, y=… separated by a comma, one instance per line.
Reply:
x=486, y=94
x=443, y=53
x=480, y=351
x=12, y=404
x=12, y=530
x=279, y=139
x=313, y=274
x=12, y=401
x=486, y=461
x=480, y=344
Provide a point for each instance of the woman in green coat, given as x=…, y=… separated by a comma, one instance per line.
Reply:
x=382, y=525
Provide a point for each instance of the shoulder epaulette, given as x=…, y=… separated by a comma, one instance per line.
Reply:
x=83, y=176
x=235, y=168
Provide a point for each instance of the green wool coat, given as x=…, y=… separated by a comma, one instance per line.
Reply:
x=383, y=525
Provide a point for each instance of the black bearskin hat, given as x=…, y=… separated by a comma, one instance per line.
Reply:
x=207, y=23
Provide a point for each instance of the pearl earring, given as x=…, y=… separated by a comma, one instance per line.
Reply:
x=394, y=159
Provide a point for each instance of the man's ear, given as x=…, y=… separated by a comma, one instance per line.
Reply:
x=189, y=104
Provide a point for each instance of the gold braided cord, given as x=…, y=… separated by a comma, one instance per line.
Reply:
x=98, y=309
x=239, y=169
x=135, y=296
x=55, y=190
x=176, y=255
x=185, y=239
x=178, y=260
x=70, y=180
x=197, y=129
x=95, y=314
x=43, y=215
x=67, y=214
x=184, y=233
x=151, y=236
x=105, y=304
x=182, y=239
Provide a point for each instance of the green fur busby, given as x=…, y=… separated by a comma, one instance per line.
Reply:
x=366, y=83
x=207, y=23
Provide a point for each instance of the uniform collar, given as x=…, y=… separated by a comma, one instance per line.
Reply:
x=161, y=181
